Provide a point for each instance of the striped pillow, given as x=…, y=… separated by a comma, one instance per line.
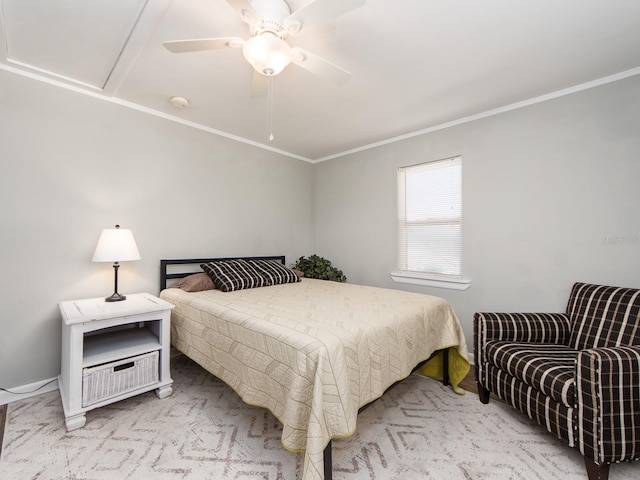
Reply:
x=230, y=275
x=274, y=273
x=239, y=274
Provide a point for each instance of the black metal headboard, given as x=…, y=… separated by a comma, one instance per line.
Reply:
x=188, y=266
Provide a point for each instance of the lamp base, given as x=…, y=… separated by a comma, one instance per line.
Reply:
x=116, y=297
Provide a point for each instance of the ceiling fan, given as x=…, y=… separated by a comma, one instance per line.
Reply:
x=271, y=22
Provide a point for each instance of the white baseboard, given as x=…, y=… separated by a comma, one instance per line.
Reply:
x=30, y=390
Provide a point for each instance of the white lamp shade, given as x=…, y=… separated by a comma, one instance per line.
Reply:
x=116, y=245
x=267, y=53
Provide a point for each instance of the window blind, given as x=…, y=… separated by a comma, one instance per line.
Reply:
x=430, y=218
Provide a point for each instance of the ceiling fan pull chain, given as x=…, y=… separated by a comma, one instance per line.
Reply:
x=270, y=105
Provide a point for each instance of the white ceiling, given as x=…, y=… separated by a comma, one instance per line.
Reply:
x=416, y=64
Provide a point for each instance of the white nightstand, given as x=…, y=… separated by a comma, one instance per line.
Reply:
x=112, y=351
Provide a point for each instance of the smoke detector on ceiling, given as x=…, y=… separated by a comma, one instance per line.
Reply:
x=179, y=102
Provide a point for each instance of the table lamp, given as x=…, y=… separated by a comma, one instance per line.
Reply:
x=116, y=245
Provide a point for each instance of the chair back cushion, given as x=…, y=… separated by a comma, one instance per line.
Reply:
x=603, y=316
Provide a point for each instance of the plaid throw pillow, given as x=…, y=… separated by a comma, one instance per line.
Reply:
x=273, y=272
x=231, y=275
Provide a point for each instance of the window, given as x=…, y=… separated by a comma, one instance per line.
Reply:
x=430, y=224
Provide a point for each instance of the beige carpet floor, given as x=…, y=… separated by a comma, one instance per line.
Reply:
x=418, y=430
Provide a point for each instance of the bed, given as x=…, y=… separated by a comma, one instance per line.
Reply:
x=311, y=351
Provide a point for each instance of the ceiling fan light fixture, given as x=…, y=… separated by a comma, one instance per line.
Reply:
x=267, y=53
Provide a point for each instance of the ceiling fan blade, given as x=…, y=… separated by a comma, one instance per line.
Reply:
x=319, y=66
x=196, y=45
x=318, y=12
x=246, y=11
x=259, y=85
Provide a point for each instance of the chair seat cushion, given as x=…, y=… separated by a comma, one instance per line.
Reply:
x=548, y=368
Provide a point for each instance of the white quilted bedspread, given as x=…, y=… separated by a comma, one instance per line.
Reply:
x=311, y=352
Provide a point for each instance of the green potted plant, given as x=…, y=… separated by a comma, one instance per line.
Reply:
x=318, y=267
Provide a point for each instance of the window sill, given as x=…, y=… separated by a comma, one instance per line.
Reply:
x=416, y=278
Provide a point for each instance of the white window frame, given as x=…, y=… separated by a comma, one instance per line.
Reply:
x=452, y=280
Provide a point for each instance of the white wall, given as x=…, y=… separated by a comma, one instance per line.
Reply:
x=551, y=195
x=73, y=165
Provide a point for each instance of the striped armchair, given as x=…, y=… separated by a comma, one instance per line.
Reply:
x=575, y=373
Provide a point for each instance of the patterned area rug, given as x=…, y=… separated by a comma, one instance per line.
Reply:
x=418, y=430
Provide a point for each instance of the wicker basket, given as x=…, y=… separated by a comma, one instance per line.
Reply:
x=109, y=380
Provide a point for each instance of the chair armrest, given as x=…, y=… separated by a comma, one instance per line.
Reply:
x=523, y=327
x=518, y=327
x=608, y=398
